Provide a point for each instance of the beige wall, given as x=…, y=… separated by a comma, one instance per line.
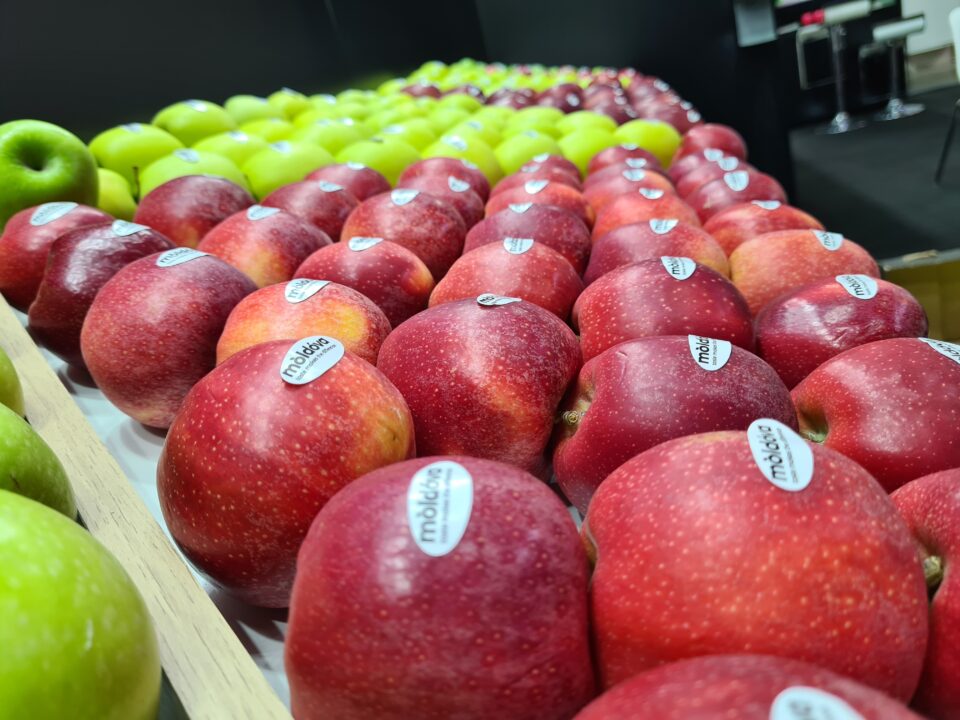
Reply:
x=937, y=34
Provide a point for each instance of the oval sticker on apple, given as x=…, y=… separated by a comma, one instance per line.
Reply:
x=469, y=165
x=663, y=226
x=532, y=187
x=456, y=142
x=122, y=228
x=239, y=136
x=636, y=163
x=807, y=703
x=48, y=212
x=178, y=256
x=457, y=185
x=187, y=155
x=402, y=196
x=634, y=174
x=629, y=146
x=309, y=358
x=302, y=289
x=329, y=186
x=737, y=181
x=679, y=268
x=198, y=105
x=651, y=193
x=359, y=244
x=356, y=166
x=708, y=353
x=728, y=163
x=531, y=168
x=259, y=212
x=325, y=98
x=520, y=208
x=947, y=349
x=282, y=146
x=392, y=130
x=693, y=116
x=517, y=246
x=830, y=240
x=439, y=503
x=781, y=455
x=767, y=204
x=862, y=287
x=133, y=127
x=492, y=300
x=474, y=124
x=542, y=157
x=712, y=154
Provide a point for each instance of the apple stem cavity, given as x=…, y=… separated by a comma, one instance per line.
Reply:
x=933, y=571
x=571, y=418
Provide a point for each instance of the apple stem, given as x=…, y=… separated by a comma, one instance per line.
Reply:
x=933, y=570
x=817, y=436
x=571, y=418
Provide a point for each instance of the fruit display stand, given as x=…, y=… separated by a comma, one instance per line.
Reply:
x=220, y=659
x=933, y=277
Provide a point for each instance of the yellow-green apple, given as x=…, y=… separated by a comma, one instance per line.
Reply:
x=80, y=262
x=708, y=172
x=602, y=192
x=323, y=204
x=282, y=163
x=800, y=331
x=269, y=129
x=303, y=307
x=582, y=145
x=416, y=132
x=483, y=377
x=425, y=224
x=11, y=391
x=244, y=108
x=773, y=264
x=266, y=244
x=738, y=223
x=192, y=120
x=514, y=267
x=642, y=206
x=551, y=226
x=891, y=405
x=452, y=189
x=584, y=120
x=500, y=598
x=519, y=149
x=543, y=192
x=285, y=425
x=26, y=241
x=128, y=149
x=666, y=296
x=700, y=541
x=78, y=641
x=733, y=188
x=446, y=166
x=152, y=330
x=931, y=507
x=387, y=156
x=236, y=145
x=712, y=135
x=332, y=135
x=28, y=466
x=189, y=162
x=290, y=102
x=533, y=172
x=114, y=196
x=42, y=163
x=627, y=154
x=653, y=239
x=658, y=137
x=643, y=392
x=747, y=687
x=356, y=178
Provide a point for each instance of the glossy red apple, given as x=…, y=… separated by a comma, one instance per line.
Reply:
x=681, y=166
x=483, y=379
x=490, y=623
x=522, y=177
x=285, y=425
x=452, y=189
x=736, y=542
x=323, y=204
x=627, y=154
x=546, y=161
x=621, y=171
x=566, y=97
x=444, y=167
x=644, y=205
x=543, y=192
x=891, y=405
x=151, y=332
x=601, y=194
x=733, y=188
x=712, y=135
x=738, y=223
x=187, y=208
x=708, y=172
x=422, y=89
x=800, y=331
x=356, y=178
x=681, y=115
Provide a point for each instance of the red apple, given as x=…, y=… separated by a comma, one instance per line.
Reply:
x=566, y=97
x=79, y=263
x=392, y=277
x=601, y=194
x=745, y=687
x=626, y=154
x=681, y=115
x=891, y=405
x=422, y=89
x=389, y=621
x=522, y=177
x=556, y=228
x=733, y=188
x=444, y=167
x=931, y=507
x=552, y=162
x=737, y=542
x=708, y=172
x=666, y=296
x=151, y=332
x=643, y=392
x=620, y=171
x=516, y=267
x=688, y=163
x=773, y=264
x=644, y=205
x=26, y=240
x=273, y=452
x=187, y=208
x=800, y=331
x=323, y=204
x=712, y=135
x=425, y=224
x=483, y=380
x=543, y=192
x=738, y=223
x=653, y=239
x=452, y=189
x=508, y=97
x=356, y=178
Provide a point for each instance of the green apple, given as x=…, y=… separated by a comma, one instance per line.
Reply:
x=282, y=163
x=354, y=110
x=386, y=155
x=192, y=120
x=316, y=114
x=514, y=152
x=290, y=102
x=11, y=393
x=351, y=95
x=189, y=162
x=394, y=85
x=29, y=467
x=331, y=135
x=416, y=132
x=236, y=145
x=269, y=129
x=584, y=119
x=115, y=196
x=495, y=115
x=460, y=100
x=128, y=149
x=77, y=639
x=39, y=163
x=580, y=146
x=444, y=118
x=244, y=108
x=477, y=129
x=658, y=137
x=477, y=152
x=322, y=100
x=535, y=115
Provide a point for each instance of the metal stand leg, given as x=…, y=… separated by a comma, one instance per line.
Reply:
x=896, y=108
x=842, y=122
x=947, y=143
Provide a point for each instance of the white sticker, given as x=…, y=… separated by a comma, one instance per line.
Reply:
x=288, y=91
x=239, y=136
x=534, y=186
x=439, y=502
x=830, y=240
x=517, y=246
x=491, y=300
x=728, y=163
x=686, y=104
x=178, y=256
x=636, y=162
x=712, y=154
x=324, y=97
x=308, y=359
x=282, y=146
x=651, y=193
x=187, y=155
x=469, y=165
x=122, y=228
x=48, y=212
x=302, y=289
x=634, y=175
x=359, y=244
x=531, y=133
x=198, y=105
x=542, y=157
x=402, y=196
x=662, y=227
x=947, y=349
x=694, y=116
x=808, y=703
x=330, y=187
x=862, y=287
x=456, y=142
x=259, y=212
x=737, y=181
x=349, y=122
x=392, y=130
x=520, y=208
x=573, y=100
x=457, y=185
x=133, y=127
x=356, y=166
x=531, y=168
x=679, y=268
x=708, y=353
x=767, y=204
x=474, y=124
x=781, y=455
x=661, y=85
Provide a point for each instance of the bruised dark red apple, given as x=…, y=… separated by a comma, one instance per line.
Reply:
x=323, y=204
x=738, y=223
x=356, y=178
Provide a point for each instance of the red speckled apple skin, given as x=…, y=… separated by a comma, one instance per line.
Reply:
x=738, y=223
x=308, y=200
x=361, y=182
x=617, y=155
x=602, y=193
x=634, y=207
x=712, y=135
x=716, y=195
x=466, y=202
x=444, y=167
x=554, y=193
